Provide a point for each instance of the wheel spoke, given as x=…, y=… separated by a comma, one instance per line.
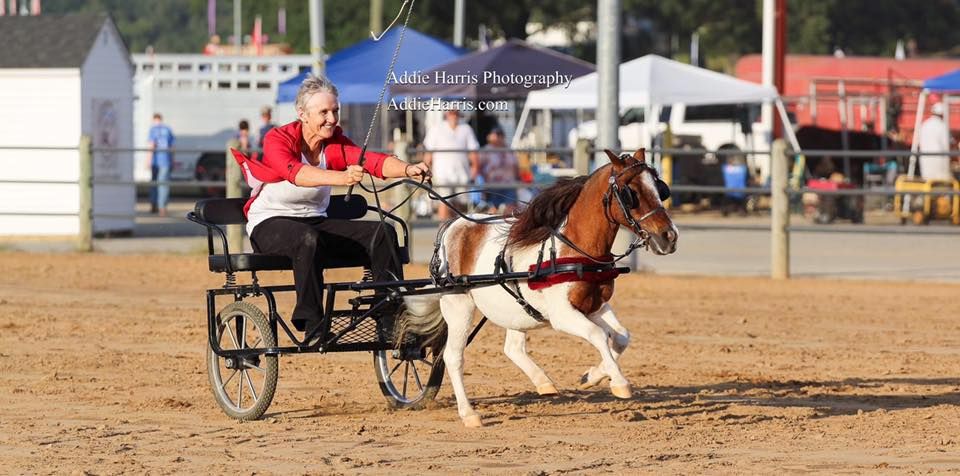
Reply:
x=240, y=392
x=416, y=377
x=395, y=367
x=233, y=337
x=255, y=367
x=406, y=376
x=242, y=331
x=249, y=384
x=223, y=386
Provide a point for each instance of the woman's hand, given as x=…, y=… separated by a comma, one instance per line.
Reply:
x=352, y=175
x=420, y=169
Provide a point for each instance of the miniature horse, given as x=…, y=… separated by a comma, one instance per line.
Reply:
x=587, y=211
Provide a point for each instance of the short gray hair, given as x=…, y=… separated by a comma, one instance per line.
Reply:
x=312, y=85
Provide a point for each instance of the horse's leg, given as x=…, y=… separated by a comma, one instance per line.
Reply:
x=619, y=340
x=515, y=346
x=565, y=318
x=458, y=310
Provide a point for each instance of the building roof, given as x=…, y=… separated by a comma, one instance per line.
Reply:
x=48, y=41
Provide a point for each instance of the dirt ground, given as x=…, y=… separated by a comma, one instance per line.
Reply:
x=102, y=372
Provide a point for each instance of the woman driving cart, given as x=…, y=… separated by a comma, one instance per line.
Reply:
x=287, y=209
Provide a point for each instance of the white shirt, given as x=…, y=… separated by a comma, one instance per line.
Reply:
x=450, y=167
x=286, y=199
x=934, y=138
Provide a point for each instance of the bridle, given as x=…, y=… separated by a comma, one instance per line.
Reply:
x=627, y=200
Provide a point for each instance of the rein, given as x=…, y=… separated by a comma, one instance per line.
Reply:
x=383, y=91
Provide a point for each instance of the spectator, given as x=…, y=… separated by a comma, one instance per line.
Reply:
x=500, y=167
x=266, y=115
x=161, y=141
x=934, y=137
x=451, y=168
x=213, y=47
x=243, y=136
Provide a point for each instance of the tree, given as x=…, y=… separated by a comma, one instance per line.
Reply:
x=727, y=28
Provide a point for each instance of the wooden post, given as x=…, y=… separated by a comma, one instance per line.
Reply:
x=666, y=162
x=779, y=212
x=85, y=182
x=232, y=177
x=581, y=157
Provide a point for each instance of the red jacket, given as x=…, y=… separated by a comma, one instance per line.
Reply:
x=282, y=158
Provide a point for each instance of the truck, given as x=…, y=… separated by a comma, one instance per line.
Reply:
x=728, y=127
x=203, y=98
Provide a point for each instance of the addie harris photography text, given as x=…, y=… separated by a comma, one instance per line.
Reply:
x=487, y=77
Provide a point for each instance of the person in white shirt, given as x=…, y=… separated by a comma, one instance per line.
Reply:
x=450, y=168
x=935, y=137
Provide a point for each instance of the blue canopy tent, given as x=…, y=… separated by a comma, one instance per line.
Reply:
x=945, y=83
x=359, y=70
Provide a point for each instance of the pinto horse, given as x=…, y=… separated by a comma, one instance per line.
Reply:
x=584, y=214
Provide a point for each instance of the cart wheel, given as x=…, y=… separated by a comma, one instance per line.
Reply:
x=243, y=387
x=408, y=379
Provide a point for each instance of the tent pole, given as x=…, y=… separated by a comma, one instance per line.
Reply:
x=317, y=36
x=521, y=124
x=915, y=145
x=787, y=126
x=608, y=77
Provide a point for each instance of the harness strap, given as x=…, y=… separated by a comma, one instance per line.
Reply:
x=501, y=265
x=440, y=279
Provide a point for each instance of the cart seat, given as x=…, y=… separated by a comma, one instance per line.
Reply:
x=214, y=213
x=249, y=262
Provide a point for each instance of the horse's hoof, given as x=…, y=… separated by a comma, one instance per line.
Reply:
x=547, y=389
x=472, y=421
x=621, y=391
x=585, y=382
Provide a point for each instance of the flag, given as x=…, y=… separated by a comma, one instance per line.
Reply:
x=282, y=21
x=211, y=17
x=258, y=35
x=35, y=7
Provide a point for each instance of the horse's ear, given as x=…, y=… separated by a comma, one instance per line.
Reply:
x=614, y=159
x=640, y=155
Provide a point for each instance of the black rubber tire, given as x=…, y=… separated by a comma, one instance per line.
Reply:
x=385, y=360
x=268, y=367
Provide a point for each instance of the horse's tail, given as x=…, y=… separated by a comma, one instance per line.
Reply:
x=422, y=317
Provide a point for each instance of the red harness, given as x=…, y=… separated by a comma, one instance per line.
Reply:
x=570, y=269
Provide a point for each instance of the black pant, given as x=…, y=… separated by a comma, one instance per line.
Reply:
x=317, y=242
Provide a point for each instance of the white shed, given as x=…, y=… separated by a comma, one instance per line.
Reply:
x=62, y=76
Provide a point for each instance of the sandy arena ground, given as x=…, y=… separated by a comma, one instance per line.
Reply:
x=102, y=372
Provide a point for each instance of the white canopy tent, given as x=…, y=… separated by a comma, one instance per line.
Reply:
x=652, y=81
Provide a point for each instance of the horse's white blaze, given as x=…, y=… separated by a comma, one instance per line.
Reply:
x=650, y=187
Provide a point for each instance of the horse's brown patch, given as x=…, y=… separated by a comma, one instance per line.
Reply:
x=588, y=297
x=467, y=239
x=593, y=231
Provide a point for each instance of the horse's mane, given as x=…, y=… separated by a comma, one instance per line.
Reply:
x=545, y=212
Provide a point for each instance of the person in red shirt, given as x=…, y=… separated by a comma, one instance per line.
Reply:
x=287, y=211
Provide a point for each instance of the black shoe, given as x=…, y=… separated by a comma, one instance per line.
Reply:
x=305, y=325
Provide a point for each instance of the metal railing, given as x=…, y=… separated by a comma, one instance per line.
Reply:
x=782, y=191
